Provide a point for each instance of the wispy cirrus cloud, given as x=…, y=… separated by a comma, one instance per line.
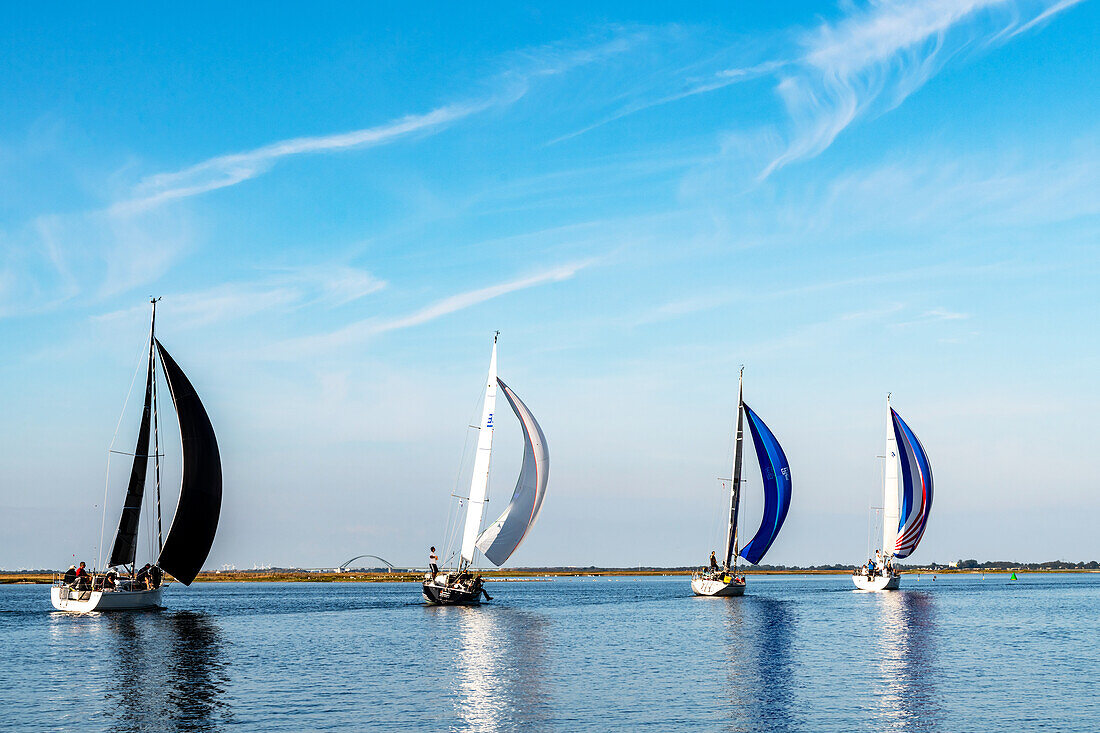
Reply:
x=287, y=289
x=231, y=169
x=878, y=55
x=828, y=76
x=367, y=328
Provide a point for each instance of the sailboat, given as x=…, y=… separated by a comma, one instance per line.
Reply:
x=902, y=527
x=183, y=551
x=776, y=473
x=460, y=585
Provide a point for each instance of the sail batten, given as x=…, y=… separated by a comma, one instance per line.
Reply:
x=916, y=487
x=195, y=522
x=124, y=549
x=776, y=475
x=501, y=538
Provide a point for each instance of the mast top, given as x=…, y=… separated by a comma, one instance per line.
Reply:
x=495, y=335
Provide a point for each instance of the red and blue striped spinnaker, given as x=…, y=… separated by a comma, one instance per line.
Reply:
x=916, y=488
x=777, y=488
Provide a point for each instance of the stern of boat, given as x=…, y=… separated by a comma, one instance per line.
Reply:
x=438, y=591
x=723, y=585
x=878, y=582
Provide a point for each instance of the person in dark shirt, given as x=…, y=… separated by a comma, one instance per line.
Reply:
x=156, y=576
x=70, y=576
x=141, y=582
x=713, y=561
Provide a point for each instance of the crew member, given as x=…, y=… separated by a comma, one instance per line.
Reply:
x=713, y=561
x=142, y=579
x=83, y=582
x=433, y=563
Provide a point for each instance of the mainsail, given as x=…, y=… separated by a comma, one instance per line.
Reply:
x=776, y=474
x=479, y=480
x=501, y=538
x=125, y=547
x=916, y=482
x=196, y=520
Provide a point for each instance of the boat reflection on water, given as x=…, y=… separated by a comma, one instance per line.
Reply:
x=501, y=669
x=169, y=671
x=760, y=664
x=905, y=690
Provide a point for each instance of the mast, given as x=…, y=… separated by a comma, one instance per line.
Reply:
x=735, y=488
x=156, y=424
x=124, y=547
x=479, y=480
x=890, y=511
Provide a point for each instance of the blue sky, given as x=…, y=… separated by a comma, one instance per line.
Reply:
x=340, y=205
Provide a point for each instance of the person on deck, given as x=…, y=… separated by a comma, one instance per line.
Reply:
x=83, y=581
x=141, y=582
x=70, y=576
x=433, y=563
x=713, y=561
x=109, y=580
x=156, y=576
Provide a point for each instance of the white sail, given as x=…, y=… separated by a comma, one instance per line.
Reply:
x=890, y=510
x=479, y=481
x=501, y=538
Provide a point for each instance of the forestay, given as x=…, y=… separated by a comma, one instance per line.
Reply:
x=916, y=482
x=124, y=548
x=501, y=538
x=196, y=520
x=776, y=474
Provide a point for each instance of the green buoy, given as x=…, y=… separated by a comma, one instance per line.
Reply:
x=1013, y=577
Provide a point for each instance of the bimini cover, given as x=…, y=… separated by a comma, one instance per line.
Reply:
x=501, y=538
x=916, y=488
x=196, y=519
x=777, y=488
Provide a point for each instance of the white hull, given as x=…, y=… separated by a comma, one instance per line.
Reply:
x=879, y=582
x=716, y=587
x=66, y=599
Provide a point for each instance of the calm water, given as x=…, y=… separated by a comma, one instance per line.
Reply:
x=797, y=653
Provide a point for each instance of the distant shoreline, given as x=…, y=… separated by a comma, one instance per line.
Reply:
x=306, y=576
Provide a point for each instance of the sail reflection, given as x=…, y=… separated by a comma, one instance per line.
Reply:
x=170, y=672
x=760, y=663
x=501, y=669
x=906, y=694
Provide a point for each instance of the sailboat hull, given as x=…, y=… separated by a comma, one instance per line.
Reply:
x=67, y=599
x=879, y=582
x=718, y=587
x=438, y=593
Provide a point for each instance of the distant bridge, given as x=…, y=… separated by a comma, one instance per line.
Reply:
x=358, y=557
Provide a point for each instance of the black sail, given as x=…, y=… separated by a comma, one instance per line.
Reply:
x=196, y=520
x=125, y=547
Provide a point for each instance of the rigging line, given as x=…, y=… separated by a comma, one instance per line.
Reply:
x=452, y=531
x=156, y=425
x=107, y=480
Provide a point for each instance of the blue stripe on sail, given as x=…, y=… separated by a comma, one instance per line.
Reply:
x=777, y=488
x=916, y=487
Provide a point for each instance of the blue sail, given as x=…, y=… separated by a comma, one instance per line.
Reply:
x=916, y=487
x=777, y=488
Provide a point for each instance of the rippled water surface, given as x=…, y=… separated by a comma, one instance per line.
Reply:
x=796, y=653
